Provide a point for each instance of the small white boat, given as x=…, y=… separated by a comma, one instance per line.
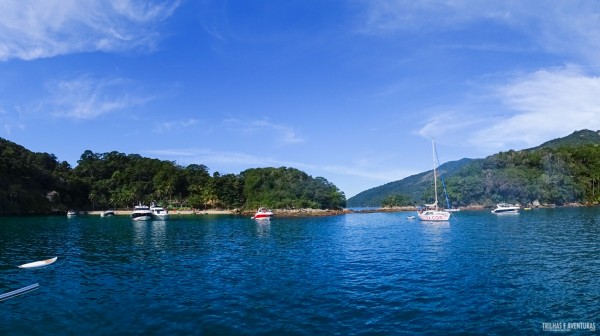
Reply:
x=263, y=213
x=141, y=213
x=158, y=212
x=107, y=213
x=39, y=263
x=71, y=213
x=505, y=208
x=411, y=217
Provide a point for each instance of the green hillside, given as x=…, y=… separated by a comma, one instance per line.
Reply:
x=412, y=187
x=559, y=171
x=578, y=138
x=37, y=183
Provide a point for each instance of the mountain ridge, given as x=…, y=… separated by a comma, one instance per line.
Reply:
x=461, y=171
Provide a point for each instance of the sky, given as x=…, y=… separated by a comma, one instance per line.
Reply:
x=349, y=90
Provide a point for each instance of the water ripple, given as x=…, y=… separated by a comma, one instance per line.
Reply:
x=344, y=275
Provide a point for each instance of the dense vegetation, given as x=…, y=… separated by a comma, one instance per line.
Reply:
x=38, y=183
x=560, y=171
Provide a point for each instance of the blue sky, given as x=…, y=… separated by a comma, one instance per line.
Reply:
x=350, y=90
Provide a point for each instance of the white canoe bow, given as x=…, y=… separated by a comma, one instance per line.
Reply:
x=39, y=263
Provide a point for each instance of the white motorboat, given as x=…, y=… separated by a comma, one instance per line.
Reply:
x=505, y=208
x=431, y=211
x=71, y=213
x=158, y=212
x=141, y=213
x=263, y=213
x=107, y=213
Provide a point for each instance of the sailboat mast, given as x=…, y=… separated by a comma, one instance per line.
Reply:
x=434, y=175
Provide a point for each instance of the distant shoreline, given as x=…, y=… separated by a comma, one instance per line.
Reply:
x=171, y=212
x=300, y=212
x=276, y=212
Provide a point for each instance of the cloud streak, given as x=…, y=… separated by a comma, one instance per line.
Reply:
x=546, y=104
x=523, y=112
x=561, y=27
x=285, y=134
x=86, y=98
x=9, y=123
x=233, y=160
x=169, y=126
x=39, y=29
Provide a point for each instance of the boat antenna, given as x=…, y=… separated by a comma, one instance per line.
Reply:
x=434, y=175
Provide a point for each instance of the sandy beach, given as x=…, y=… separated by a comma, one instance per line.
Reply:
x=171, y=212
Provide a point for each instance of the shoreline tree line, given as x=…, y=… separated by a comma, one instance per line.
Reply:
x=38, y=183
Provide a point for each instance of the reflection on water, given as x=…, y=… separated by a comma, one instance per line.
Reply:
x=149, y=232
x=263, y=228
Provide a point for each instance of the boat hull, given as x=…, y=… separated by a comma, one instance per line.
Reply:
x=39, y=263
x=262, y=216
x=434, y=216
x=262, y=213
x=159, y=213
x=505, y=212
x=508, y=209
x=141, y=217
x=141, y=213
x=107, y=213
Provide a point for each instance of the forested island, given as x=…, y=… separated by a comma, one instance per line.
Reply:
x=38, y=183
x=558, y=172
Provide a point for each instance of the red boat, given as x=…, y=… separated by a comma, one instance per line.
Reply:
x=263, y=213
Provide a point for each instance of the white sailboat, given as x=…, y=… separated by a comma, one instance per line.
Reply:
x=431, y=211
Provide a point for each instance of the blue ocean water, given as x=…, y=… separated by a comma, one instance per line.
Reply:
x=356, y=274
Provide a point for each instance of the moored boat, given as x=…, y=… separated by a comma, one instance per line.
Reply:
x=263, y=213
x=107, y=213
x=431, y=211
x=505, y=208
x=141, y=213
x=158, y=212
x=39, y=263
x=71, y=213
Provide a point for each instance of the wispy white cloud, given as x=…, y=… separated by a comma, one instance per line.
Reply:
x=558, y=27
x=213, y=158
x=236, y=160
x=169, y=126
x=288, y=134
x=38, y=29
x=517, y=108
x=390, y=16
x=86, y=97
x=9, y=122
x=523, y=112
x=285, y=134
x=545, y=104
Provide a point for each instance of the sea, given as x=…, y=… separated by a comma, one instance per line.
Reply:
x=356, y=274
